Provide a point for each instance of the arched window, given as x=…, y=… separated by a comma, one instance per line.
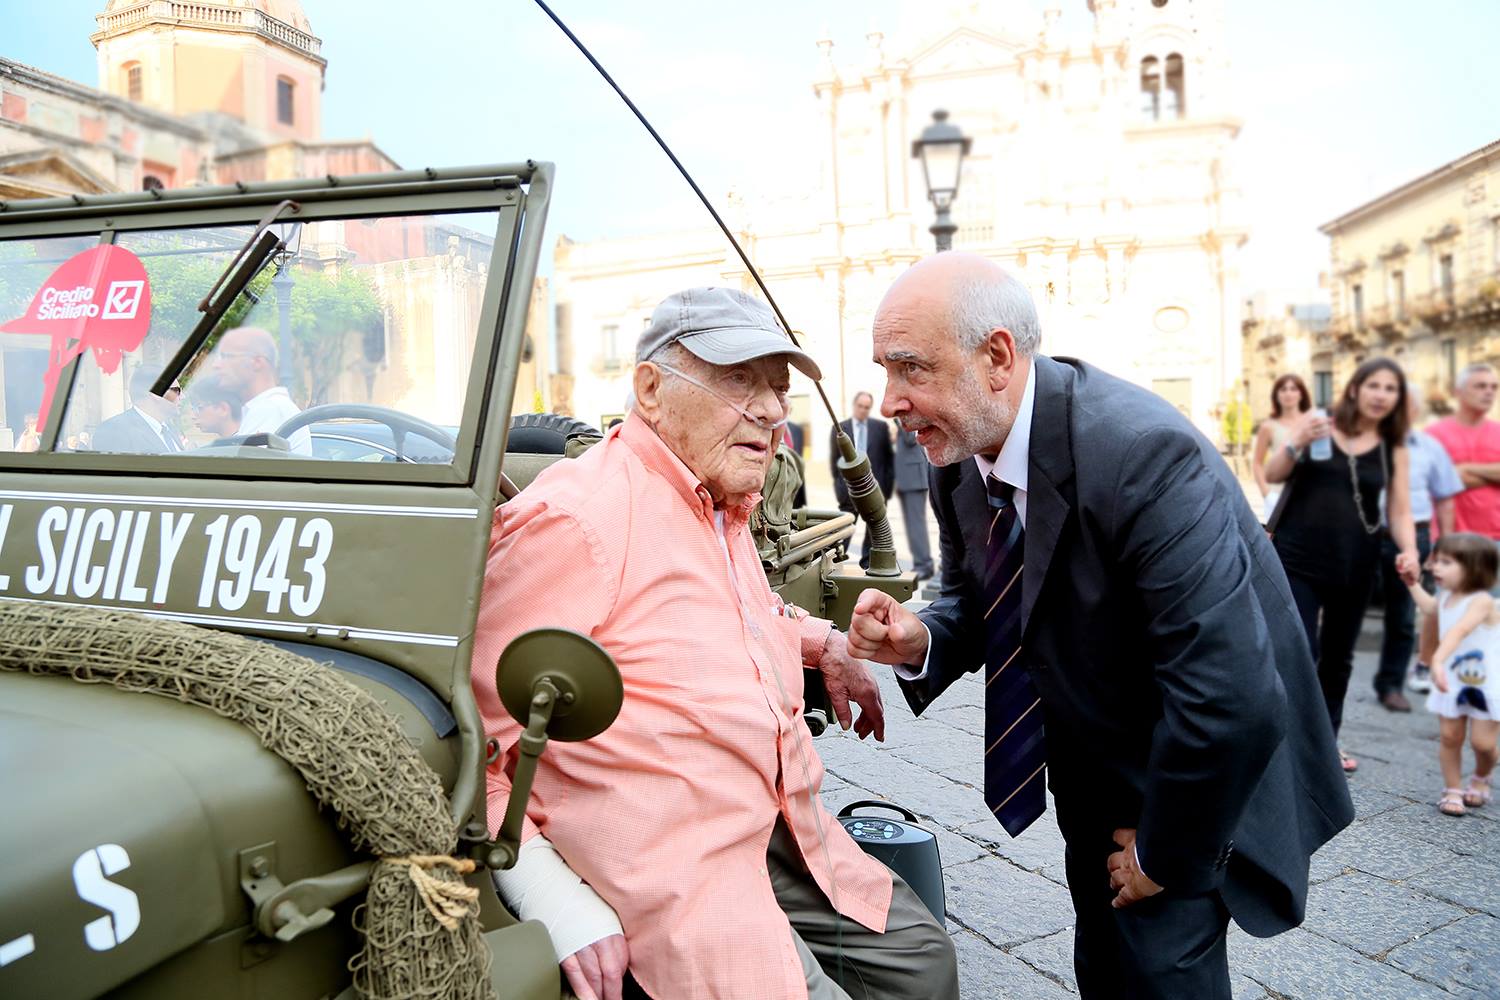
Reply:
x=134, y=85
x=1150, y=88
x=286, y=91
x=1176, y=96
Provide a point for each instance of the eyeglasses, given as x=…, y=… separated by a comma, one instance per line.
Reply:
x=761, y=422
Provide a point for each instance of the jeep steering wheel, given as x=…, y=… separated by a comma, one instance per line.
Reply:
x=400, y=424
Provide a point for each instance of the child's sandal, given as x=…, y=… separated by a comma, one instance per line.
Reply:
x=1477, y=791
x=1452, y=802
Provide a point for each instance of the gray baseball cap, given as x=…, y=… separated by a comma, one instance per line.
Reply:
x=723, y=327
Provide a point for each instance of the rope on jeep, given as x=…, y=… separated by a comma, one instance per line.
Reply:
x=419, y=920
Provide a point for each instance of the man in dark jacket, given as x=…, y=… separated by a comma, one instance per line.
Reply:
x=871, y=436
x=1143, y=655
x=147, y=427
x=911, y=486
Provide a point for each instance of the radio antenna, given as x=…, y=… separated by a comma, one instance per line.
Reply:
x=864, y=492
x=744, y=258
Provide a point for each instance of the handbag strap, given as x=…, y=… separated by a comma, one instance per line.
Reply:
x=1286, y=493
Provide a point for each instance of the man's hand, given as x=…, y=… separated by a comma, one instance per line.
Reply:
x=1125, y=877
x=596, y=972
x=884, y=631
x=847, y=679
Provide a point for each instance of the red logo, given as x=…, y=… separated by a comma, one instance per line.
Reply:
x=98, y=300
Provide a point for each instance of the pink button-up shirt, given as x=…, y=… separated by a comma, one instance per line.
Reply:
x=669, y=812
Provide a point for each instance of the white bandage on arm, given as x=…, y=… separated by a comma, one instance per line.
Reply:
x=542, y=887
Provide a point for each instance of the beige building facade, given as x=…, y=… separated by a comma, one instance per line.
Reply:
x=1100, y=173
x=221, y=91
x=1280, y=339
x=1415, y=275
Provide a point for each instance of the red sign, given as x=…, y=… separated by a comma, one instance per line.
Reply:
x=98, y=300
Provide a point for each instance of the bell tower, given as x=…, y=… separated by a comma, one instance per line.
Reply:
x=1175, y=54
x=256, y=61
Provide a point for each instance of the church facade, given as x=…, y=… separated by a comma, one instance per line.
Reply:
x=1100, y=173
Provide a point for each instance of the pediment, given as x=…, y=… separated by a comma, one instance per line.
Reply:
x=49, y=173
x=965, y=50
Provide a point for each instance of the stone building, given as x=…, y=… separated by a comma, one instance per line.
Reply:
x=1416, y=276
x=1100, y=172
x=219, y=91
x=1278, y=340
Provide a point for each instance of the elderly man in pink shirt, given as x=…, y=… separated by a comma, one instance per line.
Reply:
x=688, y=842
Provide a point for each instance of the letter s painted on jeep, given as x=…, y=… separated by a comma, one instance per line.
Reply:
x=124, y=909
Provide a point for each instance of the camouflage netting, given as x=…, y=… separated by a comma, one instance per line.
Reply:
x=419, y=919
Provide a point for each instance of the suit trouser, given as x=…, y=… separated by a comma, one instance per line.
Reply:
x=913, y=959
x=914, y=514
x=1332, y=636
x=1166, y=947
x=1400, y=636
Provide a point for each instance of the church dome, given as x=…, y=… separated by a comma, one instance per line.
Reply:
x=286, y=11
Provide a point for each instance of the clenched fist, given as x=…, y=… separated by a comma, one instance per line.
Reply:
x=883, y=631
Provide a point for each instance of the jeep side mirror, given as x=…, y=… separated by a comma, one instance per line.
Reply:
x=558, y=684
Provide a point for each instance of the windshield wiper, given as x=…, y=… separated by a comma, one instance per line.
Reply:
x=239, y=272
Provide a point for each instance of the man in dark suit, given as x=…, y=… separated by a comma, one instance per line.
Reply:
x=794, y=439
x=1142, y=651
x=147, y=427
x=871, y=436
x=911, y=486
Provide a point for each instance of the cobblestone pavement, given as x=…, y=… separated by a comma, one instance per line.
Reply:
x=1405, y=904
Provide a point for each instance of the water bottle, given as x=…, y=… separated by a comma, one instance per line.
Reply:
x=1321, y=450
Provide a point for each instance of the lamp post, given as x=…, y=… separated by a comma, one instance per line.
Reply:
x=941, y=149
x=282, y=282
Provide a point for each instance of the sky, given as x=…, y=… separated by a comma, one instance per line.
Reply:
x=1341, y=99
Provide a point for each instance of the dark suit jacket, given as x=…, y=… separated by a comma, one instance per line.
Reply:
x=128, y=433
x=794, y=441
x=911, y=462
x=882, y=459
x=1178, y=690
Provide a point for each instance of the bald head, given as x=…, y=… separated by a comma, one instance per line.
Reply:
x=976, y=295
x=245, y=361
x=955, y=335
x=250, y=340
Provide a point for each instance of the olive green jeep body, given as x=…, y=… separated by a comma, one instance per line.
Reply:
x=150, y=848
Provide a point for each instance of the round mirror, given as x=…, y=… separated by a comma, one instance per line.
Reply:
x=588, y=682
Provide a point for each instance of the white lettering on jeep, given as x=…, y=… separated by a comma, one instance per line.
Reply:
x=98, y=553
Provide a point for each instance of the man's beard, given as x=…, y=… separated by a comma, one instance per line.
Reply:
x=977, y=421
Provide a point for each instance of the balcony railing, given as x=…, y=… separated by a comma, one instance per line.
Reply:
x=214, y=15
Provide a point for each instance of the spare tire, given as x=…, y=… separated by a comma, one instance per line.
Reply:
x=544, y=433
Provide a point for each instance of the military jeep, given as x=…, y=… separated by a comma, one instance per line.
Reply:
x=155, y=849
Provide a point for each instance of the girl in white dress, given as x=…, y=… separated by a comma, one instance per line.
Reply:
x=1466, y=668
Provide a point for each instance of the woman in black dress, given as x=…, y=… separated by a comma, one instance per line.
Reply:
x=1329, y=531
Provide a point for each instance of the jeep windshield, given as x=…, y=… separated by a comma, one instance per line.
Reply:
x=352, y=351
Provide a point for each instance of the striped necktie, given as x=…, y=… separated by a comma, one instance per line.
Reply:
x=1015, y=752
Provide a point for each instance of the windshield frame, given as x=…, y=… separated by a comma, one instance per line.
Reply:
x=414, y=193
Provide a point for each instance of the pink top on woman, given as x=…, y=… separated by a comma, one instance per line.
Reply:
x=668, y=813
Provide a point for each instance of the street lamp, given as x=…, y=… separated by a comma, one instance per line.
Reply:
x=282, y=282
x=941, y=149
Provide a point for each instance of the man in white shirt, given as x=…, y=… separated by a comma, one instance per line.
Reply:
x=246, y=361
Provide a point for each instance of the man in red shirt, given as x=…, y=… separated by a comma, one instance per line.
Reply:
x=1472, y=440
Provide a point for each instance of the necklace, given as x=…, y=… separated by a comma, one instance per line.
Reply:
x=1359, y=500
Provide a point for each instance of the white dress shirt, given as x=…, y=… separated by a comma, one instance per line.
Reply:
x=167, y=444
x=1011, y=466
x=268, y=410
